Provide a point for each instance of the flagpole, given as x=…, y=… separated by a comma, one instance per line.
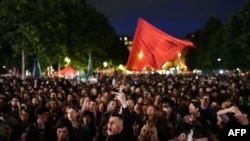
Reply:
x=123, y=81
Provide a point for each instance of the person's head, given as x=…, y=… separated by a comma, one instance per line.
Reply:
x=158, y=97
x=131, y=104
x=94, y=91
x=152, y=113
x=184, y=101
x=112, y=106
x=215, y=105
x=60, y=96
x=53, y=105
x=42, y=113
x=166, y=103
x=224, y=100
x=183, y=132
x=63, y=129
x=204, y=100
x=53, y=95
x=101, y=107
x=103, y=98
x=72, y=112
x=115, y=124
x=25, y=115
x=87, y=117
x=35, y=101
x=149, y=131
x=92, y=105
x=2, y=99
x=140, y=100
x=241, y=98
x=14, y=101
x=194, y=107
x=26, y=97
x=70, y=98
x=84, y=92
x=106, y=94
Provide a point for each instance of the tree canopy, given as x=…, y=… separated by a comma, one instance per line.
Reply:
x=222, y=46
x=49, y=31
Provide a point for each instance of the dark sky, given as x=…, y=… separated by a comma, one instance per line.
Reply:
x=175, y=17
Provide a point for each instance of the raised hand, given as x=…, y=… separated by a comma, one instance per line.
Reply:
x=121, y=97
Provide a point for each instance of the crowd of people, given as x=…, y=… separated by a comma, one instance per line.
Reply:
x=139, y=107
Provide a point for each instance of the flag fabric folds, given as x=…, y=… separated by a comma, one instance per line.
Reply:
x=153, y=47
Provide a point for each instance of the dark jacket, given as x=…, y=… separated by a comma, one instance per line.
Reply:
x=34, y=133
x=127, y=132
x=81, y=132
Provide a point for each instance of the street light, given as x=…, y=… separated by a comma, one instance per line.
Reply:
x=121, y=67
x=105, y=64
x=67, y=60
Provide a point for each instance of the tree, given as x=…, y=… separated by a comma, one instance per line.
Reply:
x=226, y=42
x=206, y=41
x=49, y=30
x=22, y=30
x=244, y=36
x=231, y=45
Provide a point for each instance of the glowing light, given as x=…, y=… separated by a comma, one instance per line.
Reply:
x=140, y=55
x=164, y=65
x=121, y=67
x=221, y=71
x=67, y=60
x=105, y=64
x=179, y=55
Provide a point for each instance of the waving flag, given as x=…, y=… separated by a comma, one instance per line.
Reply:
x=37, y=73
x=89, y=71
x=153, y=47
x=82, y=73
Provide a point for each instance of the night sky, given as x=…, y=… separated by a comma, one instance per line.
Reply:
x=175, y=17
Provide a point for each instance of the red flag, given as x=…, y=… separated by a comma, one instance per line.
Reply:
x=153, y=47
